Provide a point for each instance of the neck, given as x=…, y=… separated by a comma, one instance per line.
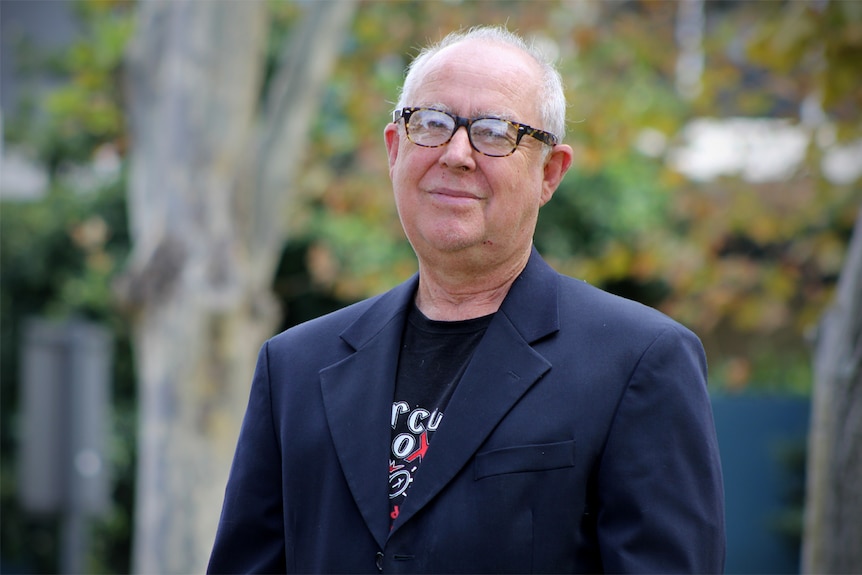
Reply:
x=458, y=293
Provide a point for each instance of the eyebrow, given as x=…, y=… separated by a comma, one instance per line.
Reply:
x=484, y=114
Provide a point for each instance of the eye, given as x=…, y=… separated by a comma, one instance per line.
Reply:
x=435, y=124
x=493, y=130
x=432, y=121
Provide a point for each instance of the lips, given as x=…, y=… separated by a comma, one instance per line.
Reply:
x=445, y=193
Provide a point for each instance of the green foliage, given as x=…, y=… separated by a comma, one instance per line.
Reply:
x=592, y=209
x=58, y=256
x=69, y=123
x=820, y=47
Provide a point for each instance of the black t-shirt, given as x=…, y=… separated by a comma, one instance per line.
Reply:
x=434, y=355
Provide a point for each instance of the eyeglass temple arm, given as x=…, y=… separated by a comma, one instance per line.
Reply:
x=541, y=135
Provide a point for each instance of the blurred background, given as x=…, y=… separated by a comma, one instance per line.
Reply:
x=182, y=180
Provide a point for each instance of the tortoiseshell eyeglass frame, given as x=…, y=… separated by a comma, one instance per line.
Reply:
x=523, y=129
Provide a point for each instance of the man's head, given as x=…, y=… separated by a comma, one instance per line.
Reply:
x=461, y=205
x=553, y=97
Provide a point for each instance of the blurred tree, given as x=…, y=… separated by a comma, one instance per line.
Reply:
x=834, y=493
x=820, y=45
x=809, y=58
x=212, y=169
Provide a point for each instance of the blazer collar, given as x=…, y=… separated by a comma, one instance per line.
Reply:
x=386, y=308
x=357, y=397
x=503, y=368
x=531, y=304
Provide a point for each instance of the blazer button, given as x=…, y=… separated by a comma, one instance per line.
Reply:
x=379, y=561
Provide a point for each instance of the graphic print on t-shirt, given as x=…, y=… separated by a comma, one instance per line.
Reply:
x=412, y=430
x=434, y=355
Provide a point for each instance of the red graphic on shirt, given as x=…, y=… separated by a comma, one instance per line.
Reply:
x=413, y=430
x=420, y=452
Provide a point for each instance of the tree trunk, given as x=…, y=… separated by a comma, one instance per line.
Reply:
x=832, y=540
x=210, y=181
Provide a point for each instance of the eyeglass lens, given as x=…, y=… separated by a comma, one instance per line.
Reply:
x=490, y=136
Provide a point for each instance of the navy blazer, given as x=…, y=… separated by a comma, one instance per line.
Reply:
x=580, y=439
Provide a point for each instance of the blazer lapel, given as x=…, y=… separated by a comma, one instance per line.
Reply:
x=357, y=396
x=503, y=368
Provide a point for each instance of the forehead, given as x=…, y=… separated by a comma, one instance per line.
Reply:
x=480, y=77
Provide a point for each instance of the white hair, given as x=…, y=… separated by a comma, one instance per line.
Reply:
x=553, y=99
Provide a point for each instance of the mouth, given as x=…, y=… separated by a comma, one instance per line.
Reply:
x=448, y=195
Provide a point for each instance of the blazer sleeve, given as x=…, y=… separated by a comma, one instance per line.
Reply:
x=250, y=535
x=661, y=496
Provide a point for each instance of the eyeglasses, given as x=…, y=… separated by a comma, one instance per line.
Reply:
x=493, y=137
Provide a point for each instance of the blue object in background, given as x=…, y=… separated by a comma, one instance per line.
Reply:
x=762, y=440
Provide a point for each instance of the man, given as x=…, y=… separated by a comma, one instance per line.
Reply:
x=525, y=421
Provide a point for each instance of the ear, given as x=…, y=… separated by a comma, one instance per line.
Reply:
x=392, y=137
x=556, y=166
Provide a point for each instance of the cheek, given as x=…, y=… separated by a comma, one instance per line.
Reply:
x=515, y=216
x=522, y=190
x=410, y=166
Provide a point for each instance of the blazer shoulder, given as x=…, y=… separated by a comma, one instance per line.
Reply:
x=595, y=307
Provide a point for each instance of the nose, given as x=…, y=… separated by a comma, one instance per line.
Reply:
x=458, y=153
